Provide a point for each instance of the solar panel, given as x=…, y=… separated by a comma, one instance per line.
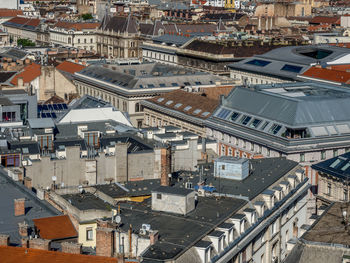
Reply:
x=40, y=107
x=53, y=115
x=48, y=115
x=43, y=115
x=45, y=107
x=64, y=106
x=55, y=106
x=59, y=106
x=50, y=107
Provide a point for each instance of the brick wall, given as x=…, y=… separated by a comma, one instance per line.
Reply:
x=104, y=242
x=71, y=248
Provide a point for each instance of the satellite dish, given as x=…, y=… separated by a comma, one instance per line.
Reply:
x=118, y=219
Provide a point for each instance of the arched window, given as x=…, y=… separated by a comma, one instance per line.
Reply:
x=69, y=40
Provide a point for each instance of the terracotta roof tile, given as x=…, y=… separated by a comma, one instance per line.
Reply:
x=329, y=74
x=335, y=20
x=70, y=67
x=4, y=12
x=195, y=100
x=28, y=74
x=25, y=255
x=77, y=26
x=25, y=21
x=55, y=227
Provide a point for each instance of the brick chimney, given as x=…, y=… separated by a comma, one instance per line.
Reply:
x=153, y=237
x=165, y=166
x=71, y=248
x=39, y=243
x=4, y=240
x=104, y=239
x=19, y=207
x=28, y=182
x=23, y=229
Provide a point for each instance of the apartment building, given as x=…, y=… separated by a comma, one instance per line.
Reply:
x=305, y=122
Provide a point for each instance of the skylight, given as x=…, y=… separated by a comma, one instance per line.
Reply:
x=178, y=105
x=245, y=119
x=223, y=113
x=206, y=113
x=291, y=68
x=174, y=84
x=162, y=85
x=187, y=108
x=335, y=163
x=258, y=62
x=160, y=99
x=197, y=111
x=169, y=102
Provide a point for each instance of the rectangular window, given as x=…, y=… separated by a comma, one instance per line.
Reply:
x=245, y=119
x=302, y=157
x=159, y=196
x=234, y=116
x=345, y=195
x=89, y=234
x=335, y=153
x=323, y=155
x=255, y=123
x=329, y=189
x=275, y=128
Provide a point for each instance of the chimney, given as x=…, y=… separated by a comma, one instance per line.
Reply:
x=39, y=243
x=28, y=182
x=165, y=166
x=71, y=248
x=104, y=239
x=25, y=242
x=153, y=237
x=19, y=207
x=4, y=240
x=23, y=229
x=20, y=82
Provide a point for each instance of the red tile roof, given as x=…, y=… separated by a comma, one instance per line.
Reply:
x=55, y=227
x=4, y=12
x=25, y=21
x=30, y=255
x=334, y=20
x=28, y=74
x=328, y=74
x=70, y=67
x=195, y=100
x=77, y=26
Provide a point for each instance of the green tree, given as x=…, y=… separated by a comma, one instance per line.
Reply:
x=25, y=42
x=86, y=16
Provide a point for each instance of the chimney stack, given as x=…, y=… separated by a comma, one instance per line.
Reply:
x=165, y=166
x=104, y=239
x=71, y=248
x=153, y=237
x=39, y=243
x=23, y=229
x=28, y=182
x=19, y=207
x=4, y=240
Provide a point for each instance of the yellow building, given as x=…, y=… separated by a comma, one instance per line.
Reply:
x=87, y=233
